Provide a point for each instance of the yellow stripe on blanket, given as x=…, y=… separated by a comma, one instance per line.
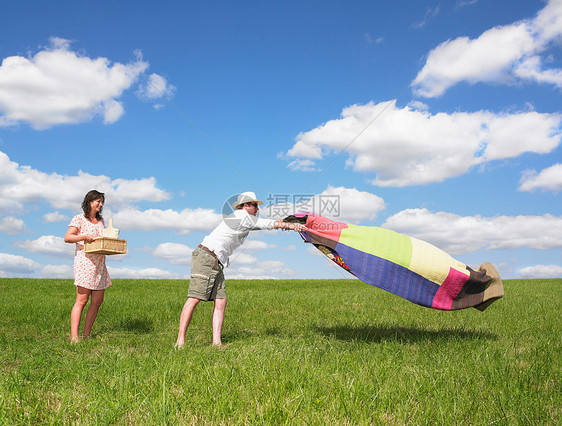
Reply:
x=433, y=263
x=380, y=242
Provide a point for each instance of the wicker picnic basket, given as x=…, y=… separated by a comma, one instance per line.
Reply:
x=106, y=245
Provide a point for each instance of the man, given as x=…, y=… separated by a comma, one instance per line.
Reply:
x=208, y=259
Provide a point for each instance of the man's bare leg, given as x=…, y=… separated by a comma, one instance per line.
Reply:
x=185, y=318
x=218, y=318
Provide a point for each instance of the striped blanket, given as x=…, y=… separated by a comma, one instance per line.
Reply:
x=405, y=266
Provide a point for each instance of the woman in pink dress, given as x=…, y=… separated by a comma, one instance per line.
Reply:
x=90, y=273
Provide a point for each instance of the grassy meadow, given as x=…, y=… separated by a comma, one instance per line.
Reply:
x=295, y=352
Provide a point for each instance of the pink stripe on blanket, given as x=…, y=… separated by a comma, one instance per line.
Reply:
x=325, y=227
x=450, y=288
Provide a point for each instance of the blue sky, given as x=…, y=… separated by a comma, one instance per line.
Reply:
x=440, y=120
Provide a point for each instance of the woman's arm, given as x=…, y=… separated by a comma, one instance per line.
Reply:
x=73, y=236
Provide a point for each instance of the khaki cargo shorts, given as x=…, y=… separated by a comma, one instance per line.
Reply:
x=207, y=280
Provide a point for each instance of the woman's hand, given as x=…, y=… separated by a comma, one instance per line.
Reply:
x=88, y=238
x=73, y=236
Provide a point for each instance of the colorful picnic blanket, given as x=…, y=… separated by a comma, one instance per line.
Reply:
x=402, y=265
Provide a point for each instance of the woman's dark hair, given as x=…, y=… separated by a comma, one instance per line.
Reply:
x=91, y=196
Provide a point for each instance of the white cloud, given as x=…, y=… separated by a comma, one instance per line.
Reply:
x=246, y=274
x=55, y=217
x=271, y=269
x=548, y=23
x=429, y=14
x=146, y=273
x=463, y=3
x=338, y=203
x=57, y=271
x=302, y=165
x=22, y=184
x=112, y=111
x=60, y=86
x=253, y=245
x=175, y=253
x=182, y=222
x=352, y=205
x=242, y=258
x=156, y=87
x=510, y=135
x=418, y=105
x=373, y=40
x=272, y=265
x=549, y=179
x=49, y=245
x=412, y=147
x=13, y=265
x=502, y=55
x=459, y=235
x=541, y=271
x=12, y=225
x=127, y=191
x=9, y=206
x=531, y=69
x=180, y=254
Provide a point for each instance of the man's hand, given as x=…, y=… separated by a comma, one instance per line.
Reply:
x=298, y=227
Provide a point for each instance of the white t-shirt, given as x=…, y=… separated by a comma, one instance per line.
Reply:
x=232, y=232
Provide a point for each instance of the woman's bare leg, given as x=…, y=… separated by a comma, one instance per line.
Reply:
x=82, y=296
x=97, y=299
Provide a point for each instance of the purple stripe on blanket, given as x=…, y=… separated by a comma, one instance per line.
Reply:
x=389, y=276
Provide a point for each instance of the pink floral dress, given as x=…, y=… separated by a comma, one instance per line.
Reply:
x=89, y=268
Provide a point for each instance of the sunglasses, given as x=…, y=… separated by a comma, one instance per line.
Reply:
x=252, y=204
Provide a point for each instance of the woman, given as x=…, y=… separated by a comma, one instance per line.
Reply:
x=90, y=274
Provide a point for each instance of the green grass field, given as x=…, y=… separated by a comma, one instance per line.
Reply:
x=296, y=352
